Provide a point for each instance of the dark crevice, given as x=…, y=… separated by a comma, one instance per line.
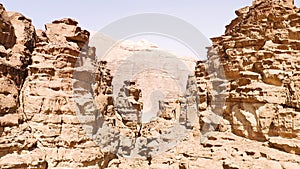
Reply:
x=149, y=159
x=107, y=158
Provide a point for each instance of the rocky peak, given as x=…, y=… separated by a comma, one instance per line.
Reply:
x=24, y=30
x=66, y=30
x=7, y=35
x=278, y=2
x=67, y=21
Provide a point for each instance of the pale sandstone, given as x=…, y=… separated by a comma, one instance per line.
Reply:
x=243, y=101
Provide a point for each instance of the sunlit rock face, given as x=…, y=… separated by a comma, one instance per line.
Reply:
x=61, y=106
x=260, y=54
x=38, y=117
x=279, y=2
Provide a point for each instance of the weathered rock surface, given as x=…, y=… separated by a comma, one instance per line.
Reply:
x=249, y=87
x=219, y=150
x=260, y=56
x=8, y=37
x=240, y=109
x=39, y=126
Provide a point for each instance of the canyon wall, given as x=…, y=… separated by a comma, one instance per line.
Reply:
x=240, y=108
x=260, y=55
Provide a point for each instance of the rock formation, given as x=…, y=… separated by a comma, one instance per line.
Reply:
x=239, y=109
x=39, y=127
x=259, y=52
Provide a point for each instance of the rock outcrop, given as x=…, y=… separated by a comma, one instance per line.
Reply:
x=59, y=107
x=260, y=54
x=39, y=126
x=8, y=37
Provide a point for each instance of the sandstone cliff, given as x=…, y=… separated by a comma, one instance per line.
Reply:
x=60, y=109
x=39, y=127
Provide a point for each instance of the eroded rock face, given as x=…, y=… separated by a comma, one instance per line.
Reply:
x=17, y=42
x=119, y=129
x=219, y=150
x=47, y=132
x=8, y=38
x=48, y=97
x=278, y=2
x=260, y=54
x=241, y=107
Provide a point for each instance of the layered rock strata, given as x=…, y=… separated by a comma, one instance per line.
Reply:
x=260, y=54
x=39, y=126
x=239, y=110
